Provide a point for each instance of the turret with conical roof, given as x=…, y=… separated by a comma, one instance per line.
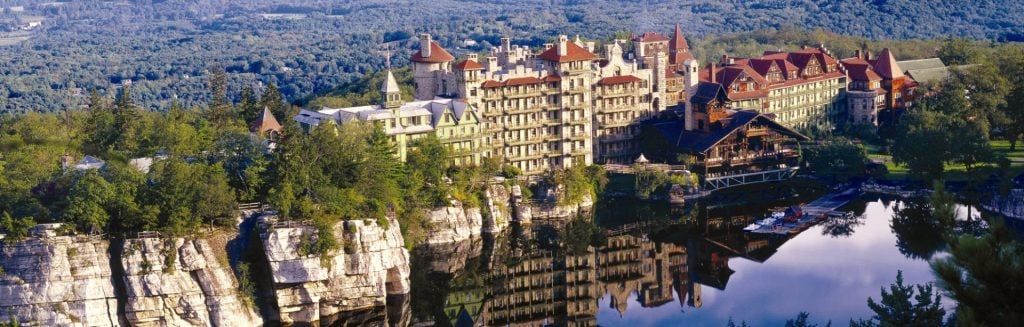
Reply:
x=391, y=93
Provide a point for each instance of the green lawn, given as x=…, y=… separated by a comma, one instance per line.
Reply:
x=954, y=172
x=1003, y=147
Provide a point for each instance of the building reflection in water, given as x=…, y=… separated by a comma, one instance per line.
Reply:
x=537, y=276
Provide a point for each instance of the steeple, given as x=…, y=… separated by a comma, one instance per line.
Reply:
x=678, y=50
x=391, y=92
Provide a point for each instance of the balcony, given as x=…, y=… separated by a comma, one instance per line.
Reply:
x=528, y=109
x=752, y=159
x=619, y=108
x=618, y=93
x=524, y=141
x=615, y=138
x=605, y=123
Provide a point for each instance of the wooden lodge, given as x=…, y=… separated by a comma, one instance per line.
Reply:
x=733, y=147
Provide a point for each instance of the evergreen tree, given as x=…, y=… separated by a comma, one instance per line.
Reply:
x=99, y=125
x=126, y=123
x=249, y=106
x=273, y=100
x=898, y=307
x=220, y=113
x=985, y=276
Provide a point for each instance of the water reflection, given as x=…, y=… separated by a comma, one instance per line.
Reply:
x=673, y=265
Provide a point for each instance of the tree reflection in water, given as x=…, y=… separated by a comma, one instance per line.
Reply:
x=918, y=234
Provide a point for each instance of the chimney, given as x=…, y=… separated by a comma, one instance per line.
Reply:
x=867, y=55
x=506, y=44
x=473, y=57
x=563, y=47
x=803, y=47
x=590, y=46
x=732, y=61
x=856, y=53
x=712, y=75
x=425, y=45
x=492, y=64
x=548, y=46
x=725, y=60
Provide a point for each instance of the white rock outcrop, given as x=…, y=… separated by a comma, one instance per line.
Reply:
x=453, y=224
x=57, y=281
x=499, y=213
x=180, y=282
x=1011, y=205
x=371, y=263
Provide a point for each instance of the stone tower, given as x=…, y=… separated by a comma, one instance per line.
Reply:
x=430, y=67
x=691, y=78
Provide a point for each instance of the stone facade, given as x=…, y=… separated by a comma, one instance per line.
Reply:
x=181, y=283
x=372, y=264
x=57, y=281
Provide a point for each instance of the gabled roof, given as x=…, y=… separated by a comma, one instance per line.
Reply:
x=618, y=80
x=707, y=92
x=886, y=65
x=730, y=74
x=574, y=52
x=650, y=37
x=921, y=64
x=469, y=65
x=437, y=55
x=490, y=84
x=700, y=142
x=266, y=121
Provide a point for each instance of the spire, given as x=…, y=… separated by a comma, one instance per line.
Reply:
x=265, y=122
x=391, y=92
x=678, y=50
x=886, y=65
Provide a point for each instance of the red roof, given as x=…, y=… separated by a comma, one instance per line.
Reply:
x=650, y=37
x=573, y=53
x=513, y=82
x=886, y=65
x=677, y=41
x=618, y=80
x=552, y=78
x=469, y=65
x=437, y=55
x=859, y=70
x=523, y=81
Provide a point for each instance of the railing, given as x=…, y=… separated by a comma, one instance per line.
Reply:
x=620, y=108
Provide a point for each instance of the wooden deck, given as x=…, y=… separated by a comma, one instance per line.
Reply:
x=814, y=212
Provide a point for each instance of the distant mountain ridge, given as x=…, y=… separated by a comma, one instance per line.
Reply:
x=310, y=46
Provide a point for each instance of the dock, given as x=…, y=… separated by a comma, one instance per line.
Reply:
x=813, y=212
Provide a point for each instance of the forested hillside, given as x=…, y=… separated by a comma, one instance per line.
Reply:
x=165, y=48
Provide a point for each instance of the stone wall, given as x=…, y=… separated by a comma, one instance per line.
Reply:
x=526, y=211
x=180, y=282
x=57, y=281
x=371, y=264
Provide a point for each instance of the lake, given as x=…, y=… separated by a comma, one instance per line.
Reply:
x=639, y=264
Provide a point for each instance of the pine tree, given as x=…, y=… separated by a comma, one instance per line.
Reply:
x=249, y=106
x=897, y=307
x=99, y=132
x=273, y=100
x=220, y=112
x=985, y=276
x=126, y=123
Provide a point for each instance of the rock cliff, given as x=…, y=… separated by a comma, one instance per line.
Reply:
x=499, y=213
x=371, y=264
x=57, y=281
x=1011, y=205
x=526, y=211
x=453, y=224
x=180, y=282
